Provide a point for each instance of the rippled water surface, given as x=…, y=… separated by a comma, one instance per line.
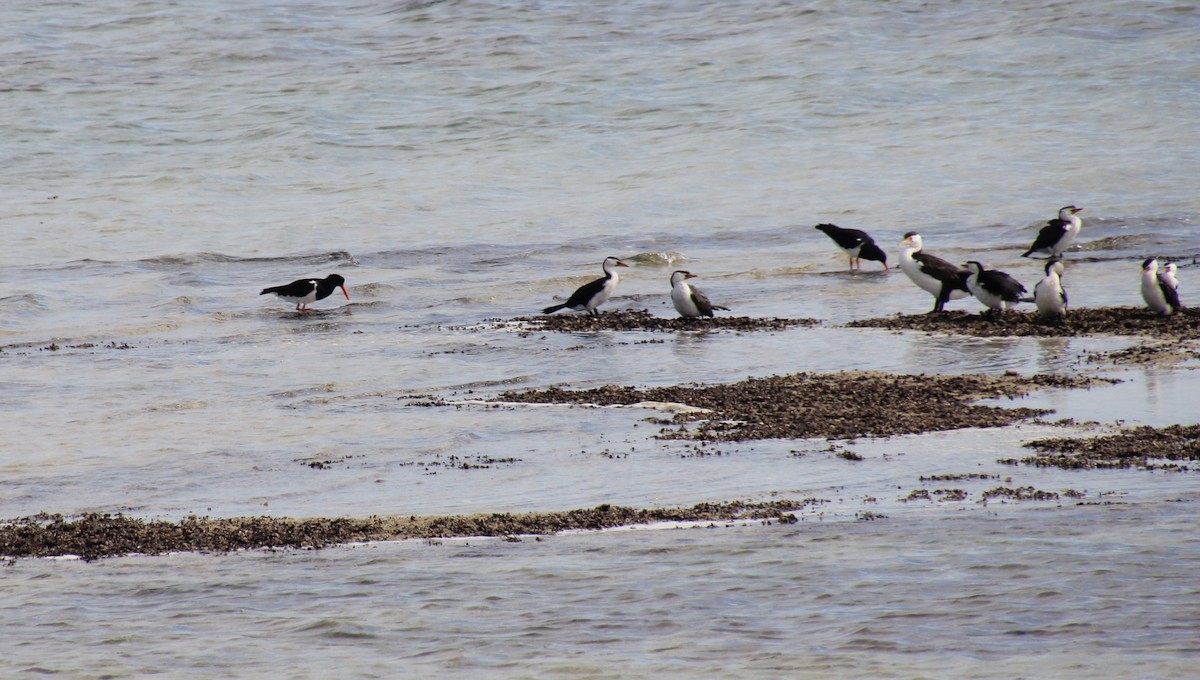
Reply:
x=466, y=162
x=1034, y=593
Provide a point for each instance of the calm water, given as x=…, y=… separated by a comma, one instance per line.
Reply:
x=460, y=162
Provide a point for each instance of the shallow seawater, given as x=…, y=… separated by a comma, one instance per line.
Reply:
x=463, y=164
x=1033, y=592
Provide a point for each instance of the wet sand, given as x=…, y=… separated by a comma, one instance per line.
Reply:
x=95, y=536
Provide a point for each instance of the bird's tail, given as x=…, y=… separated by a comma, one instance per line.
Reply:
x=724, y=309
x=549, y=310
x=1026, y=299
x=1027, y=253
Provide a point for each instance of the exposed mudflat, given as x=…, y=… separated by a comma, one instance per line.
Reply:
x=1165, y=339
x=1170, y=448
x=836, y=406
x=998, y=493
x=1135, y=321
x=93, y=536
x=642, y=320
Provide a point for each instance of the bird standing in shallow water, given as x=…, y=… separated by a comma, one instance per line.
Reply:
x=1054, y=238
x=1160, y=290
x=591, y=295
x=304, y=292
x=1049, y=295
x=856, y=243
x=689, y=301
x=995, y=289
x=943, y=280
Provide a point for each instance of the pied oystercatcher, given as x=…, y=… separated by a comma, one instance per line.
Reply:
x=304, y=292
x=856, y=243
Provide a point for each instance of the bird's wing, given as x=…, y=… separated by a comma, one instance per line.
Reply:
x=1170, y=293
x=866, y=238
x=702, y=303
x=298, y=288
x=586, y=292
x=1049, y=234
x=1002, y=284
x=845, y=238
x=941, y=269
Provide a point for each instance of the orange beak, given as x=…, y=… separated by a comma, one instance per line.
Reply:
x=345, y=292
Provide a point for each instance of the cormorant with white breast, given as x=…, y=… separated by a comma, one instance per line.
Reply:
x=1167, y=276
x=307, y=291
x=1157, y=290
x=690, y=302
x=1049, y=295
x=856, y=243
x=1058, y=233
x=591, y=295
x=943, y=280
x=995, y=289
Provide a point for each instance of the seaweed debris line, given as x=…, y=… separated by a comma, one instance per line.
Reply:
x=94, y=536
x=1175, y=448
x=836, y=406
x=642, y=320
x=1133, y=321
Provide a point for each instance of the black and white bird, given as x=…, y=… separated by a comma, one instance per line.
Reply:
x=1160, y=290
x=591, y=295
x=1058, y=233
x=1049, y=295
x=304, y=292
x=941, y=279
x=1167, y=276
x=856, y=243
x=995, y=289
x=690, y=302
